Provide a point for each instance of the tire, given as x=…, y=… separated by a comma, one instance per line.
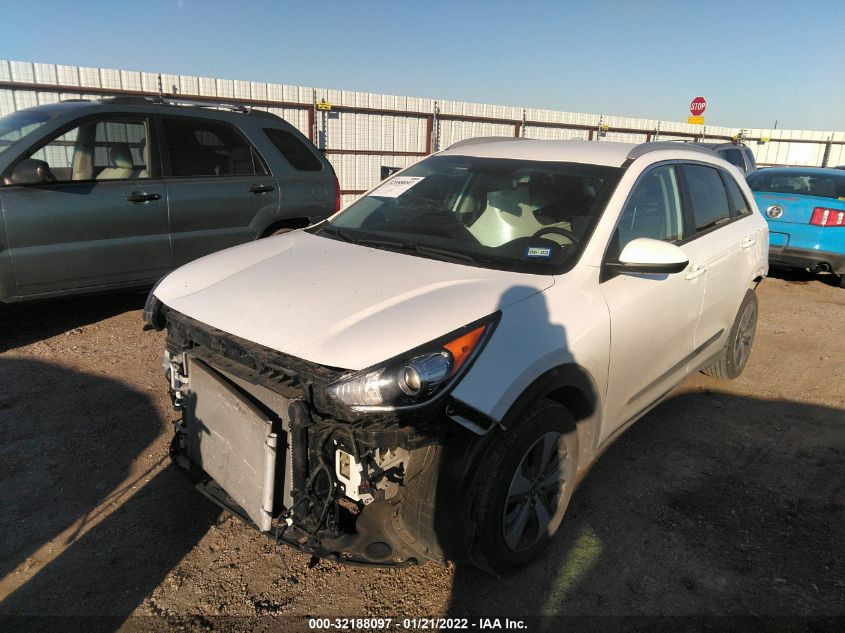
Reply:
x=510, y=532
x=734, y=355
x=841, y=281
x=279, y=231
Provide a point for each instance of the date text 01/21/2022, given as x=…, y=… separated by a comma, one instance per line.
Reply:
x=431, y=624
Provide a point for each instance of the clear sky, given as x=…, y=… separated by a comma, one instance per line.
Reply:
x=754, y=61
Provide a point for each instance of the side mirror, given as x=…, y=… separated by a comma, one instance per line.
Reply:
x=30, y=171
x=645, y=255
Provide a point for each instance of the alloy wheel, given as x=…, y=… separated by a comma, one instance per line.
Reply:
x=532, y=507
x=745, y=335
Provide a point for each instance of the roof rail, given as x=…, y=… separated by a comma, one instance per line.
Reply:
x=484, y=139
x=174, y=101
x=656, y=146
x=131, y=100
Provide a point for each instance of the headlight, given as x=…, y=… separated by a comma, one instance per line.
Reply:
x=417, y=377
x=153, y=319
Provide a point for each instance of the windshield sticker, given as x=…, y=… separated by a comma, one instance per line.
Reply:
x=395, y=187
x=543, y=252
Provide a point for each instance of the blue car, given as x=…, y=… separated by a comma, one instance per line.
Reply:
x=805, y=208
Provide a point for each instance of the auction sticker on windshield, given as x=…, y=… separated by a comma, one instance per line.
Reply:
x=538, y=251
x=395, y=187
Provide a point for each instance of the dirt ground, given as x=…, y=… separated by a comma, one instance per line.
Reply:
x=726, y=500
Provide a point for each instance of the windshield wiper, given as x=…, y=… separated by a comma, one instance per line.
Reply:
x=338, y=233
x=434, y=252
x=413, y=247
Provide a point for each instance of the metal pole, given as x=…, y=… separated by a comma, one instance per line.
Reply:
x=826, y=156
x=315, y=139
x=435, y=139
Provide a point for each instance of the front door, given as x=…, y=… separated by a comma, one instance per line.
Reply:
x=653, y=318
x=102, y=220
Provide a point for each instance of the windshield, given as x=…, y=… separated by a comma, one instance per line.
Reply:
x=15, y=126
x=525, y=216
x=824, y=185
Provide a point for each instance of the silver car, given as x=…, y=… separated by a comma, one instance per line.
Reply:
x=100, y=195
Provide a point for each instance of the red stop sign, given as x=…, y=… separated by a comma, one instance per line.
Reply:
x=697, y=106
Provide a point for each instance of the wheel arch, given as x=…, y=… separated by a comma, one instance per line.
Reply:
x=285, y=223
x=463, y=457
x=571, y=386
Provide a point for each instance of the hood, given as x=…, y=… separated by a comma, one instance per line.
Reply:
x=336, y=303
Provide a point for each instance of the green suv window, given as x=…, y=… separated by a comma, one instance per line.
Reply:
x=198, y=147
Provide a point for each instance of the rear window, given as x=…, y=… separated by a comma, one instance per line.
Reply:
x=294, y=150
x=738, y=200
x=707, y=192
x=733, y=156
x=799, y=182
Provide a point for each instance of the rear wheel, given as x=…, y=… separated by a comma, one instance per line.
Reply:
x=280, y=231
x=737, y=349
x=524, y=493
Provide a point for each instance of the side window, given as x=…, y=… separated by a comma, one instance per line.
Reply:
x=750, y=161
x=733, y=156
x=738, y=201
x=209, y=148
x=653, y=210
x=708, y=196
x=99, y=149
x=294, y=150
x=118, y=144
x=58, y=154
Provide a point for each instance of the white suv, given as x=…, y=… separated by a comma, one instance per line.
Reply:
x=427, y=374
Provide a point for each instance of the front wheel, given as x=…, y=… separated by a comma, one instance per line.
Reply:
x=524, y=493
x=737, y=349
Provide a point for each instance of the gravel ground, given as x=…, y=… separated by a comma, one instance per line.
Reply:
x=725, y=500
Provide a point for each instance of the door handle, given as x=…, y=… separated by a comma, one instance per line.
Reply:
x=695, y=272
x=261, y=188
x=748, y=242
x=140, y=196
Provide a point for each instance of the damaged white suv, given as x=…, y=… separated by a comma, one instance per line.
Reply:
x=427, y=374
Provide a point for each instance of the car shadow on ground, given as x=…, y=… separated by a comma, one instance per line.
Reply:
x=802, y=276
x=25, y=323
x=83, y=532
x=712, y=505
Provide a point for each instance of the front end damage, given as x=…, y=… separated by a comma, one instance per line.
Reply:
x=260, y=438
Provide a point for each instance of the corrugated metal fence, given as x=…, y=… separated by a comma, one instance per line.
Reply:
x=364, y=131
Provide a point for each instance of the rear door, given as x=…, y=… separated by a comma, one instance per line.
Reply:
x=219, y=189
x=102, y=221
x=307, y=183
x=729, y=239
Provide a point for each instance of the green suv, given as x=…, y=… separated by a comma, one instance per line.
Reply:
x=100, y=195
